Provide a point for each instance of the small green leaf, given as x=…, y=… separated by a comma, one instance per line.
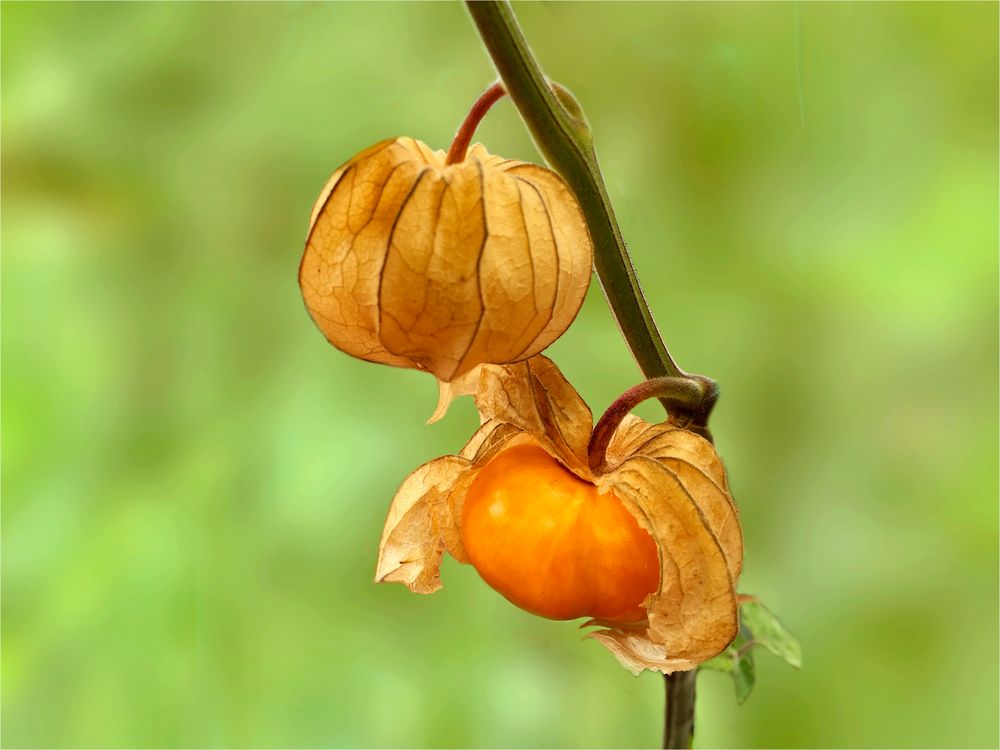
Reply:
x=744, y=675
x=758, y=627
x=721, y=663
x=769, y=632
x=737, y=660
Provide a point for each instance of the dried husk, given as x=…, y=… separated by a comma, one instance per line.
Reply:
x=671, y=480
x=414, y=263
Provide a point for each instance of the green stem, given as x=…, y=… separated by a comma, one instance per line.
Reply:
x=560, y=130
x=678, y=727
x=563, y=137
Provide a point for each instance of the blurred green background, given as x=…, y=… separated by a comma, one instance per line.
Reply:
x=194, y=482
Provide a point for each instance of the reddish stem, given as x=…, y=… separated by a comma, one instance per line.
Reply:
x=468, y=129
x=690, y=400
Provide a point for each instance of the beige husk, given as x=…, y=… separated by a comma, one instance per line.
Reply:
x=670, y=479
x=414, y=263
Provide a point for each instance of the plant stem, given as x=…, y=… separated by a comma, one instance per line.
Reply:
x=561, y=133
x=678, y=729
x=563, y=137
x=468, y=127
x=690, y=396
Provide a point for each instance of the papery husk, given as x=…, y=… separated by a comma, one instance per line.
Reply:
x=671, y=480
x=674, y=483
x=414, y=263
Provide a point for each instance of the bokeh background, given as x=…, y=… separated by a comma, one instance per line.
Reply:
x=194, y=482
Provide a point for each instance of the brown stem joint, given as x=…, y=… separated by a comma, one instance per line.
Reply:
x=689, y=401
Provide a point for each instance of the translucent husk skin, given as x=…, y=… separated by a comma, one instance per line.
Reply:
x=414, y=263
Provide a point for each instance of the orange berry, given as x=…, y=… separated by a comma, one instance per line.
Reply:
x=553, y=545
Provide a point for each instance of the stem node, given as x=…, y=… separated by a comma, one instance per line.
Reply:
x=689, y=401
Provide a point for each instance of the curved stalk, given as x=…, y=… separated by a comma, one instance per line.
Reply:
x=561, y=133
x=468, y=127
x=693, y=396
